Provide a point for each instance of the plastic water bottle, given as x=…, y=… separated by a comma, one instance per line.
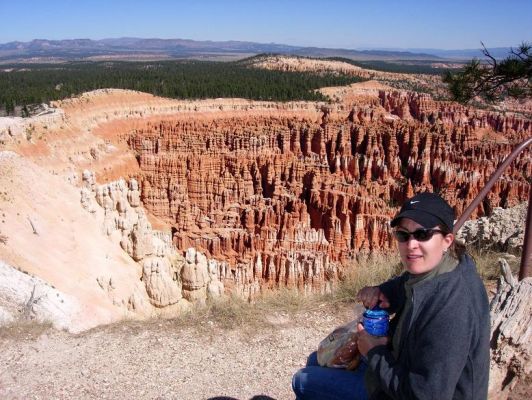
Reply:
x=376, y=321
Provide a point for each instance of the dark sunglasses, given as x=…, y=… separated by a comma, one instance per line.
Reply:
x=421, y=235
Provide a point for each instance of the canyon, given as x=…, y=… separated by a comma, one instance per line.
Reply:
x=151, y=205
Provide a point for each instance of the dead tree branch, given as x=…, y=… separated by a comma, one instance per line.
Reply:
x=28, y=307
x=33, y=226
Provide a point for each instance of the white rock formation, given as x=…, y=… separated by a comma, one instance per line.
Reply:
x=168, y=278
x=25, y=297
x=504, y=230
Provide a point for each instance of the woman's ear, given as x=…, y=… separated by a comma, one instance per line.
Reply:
x=448, y=241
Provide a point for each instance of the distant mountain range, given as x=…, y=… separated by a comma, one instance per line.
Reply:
x=42, y=50
x=463, y=54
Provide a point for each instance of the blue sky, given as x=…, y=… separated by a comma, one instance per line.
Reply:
x=351, y=24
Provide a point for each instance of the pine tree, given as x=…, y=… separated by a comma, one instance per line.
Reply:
x=494, y=80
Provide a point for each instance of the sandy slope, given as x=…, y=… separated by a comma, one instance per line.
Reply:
x=50, y=236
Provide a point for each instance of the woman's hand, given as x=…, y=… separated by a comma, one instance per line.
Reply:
x=366, y=342
x=370, y=296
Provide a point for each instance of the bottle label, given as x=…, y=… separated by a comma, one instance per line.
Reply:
x=376, y=322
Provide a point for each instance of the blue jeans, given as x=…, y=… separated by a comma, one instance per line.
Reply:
x=321, y=383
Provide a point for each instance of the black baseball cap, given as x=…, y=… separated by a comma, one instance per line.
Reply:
x=428, y=210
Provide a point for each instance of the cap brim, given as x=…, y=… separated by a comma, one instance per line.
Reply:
x=423, y=218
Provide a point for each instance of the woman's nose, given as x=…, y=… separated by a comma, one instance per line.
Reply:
x=412, y=243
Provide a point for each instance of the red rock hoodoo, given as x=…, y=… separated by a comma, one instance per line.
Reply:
x=288, y=198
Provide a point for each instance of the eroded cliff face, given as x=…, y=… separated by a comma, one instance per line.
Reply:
x=236, y=196
x=287, y=200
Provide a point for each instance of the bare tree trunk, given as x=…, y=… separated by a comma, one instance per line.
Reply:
x=511, y=334
x=28, y=307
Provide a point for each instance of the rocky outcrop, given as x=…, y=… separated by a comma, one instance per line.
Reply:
x=26, y=297
x=511, y=336
x=297, y=64
x=503, y=230
x=167, y=276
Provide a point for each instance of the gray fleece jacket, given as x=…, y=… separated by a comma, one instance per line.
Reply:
x=444, y=342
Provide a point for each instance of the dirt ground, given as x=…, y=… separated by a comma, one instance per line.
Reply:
x=162, y=360
x=171, y=359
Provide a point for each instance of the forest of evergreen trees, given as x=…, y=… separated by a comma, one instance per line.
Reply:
x=402, y=67
x=24, y=85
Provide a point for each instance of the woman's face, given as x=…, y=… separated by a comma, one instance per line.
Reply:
x=420, y=257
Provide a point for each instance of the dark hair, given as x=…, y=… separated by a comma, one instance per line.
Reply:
x=457, y=248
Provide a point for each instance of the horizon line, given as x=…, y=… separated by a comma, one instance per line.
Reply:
x=362, y=48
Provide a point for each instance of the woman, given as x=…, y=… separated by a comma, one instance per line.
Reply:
x=438, y=347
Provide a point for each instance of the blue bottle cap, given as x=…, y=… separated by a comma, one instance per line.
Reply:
x=376, y=312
